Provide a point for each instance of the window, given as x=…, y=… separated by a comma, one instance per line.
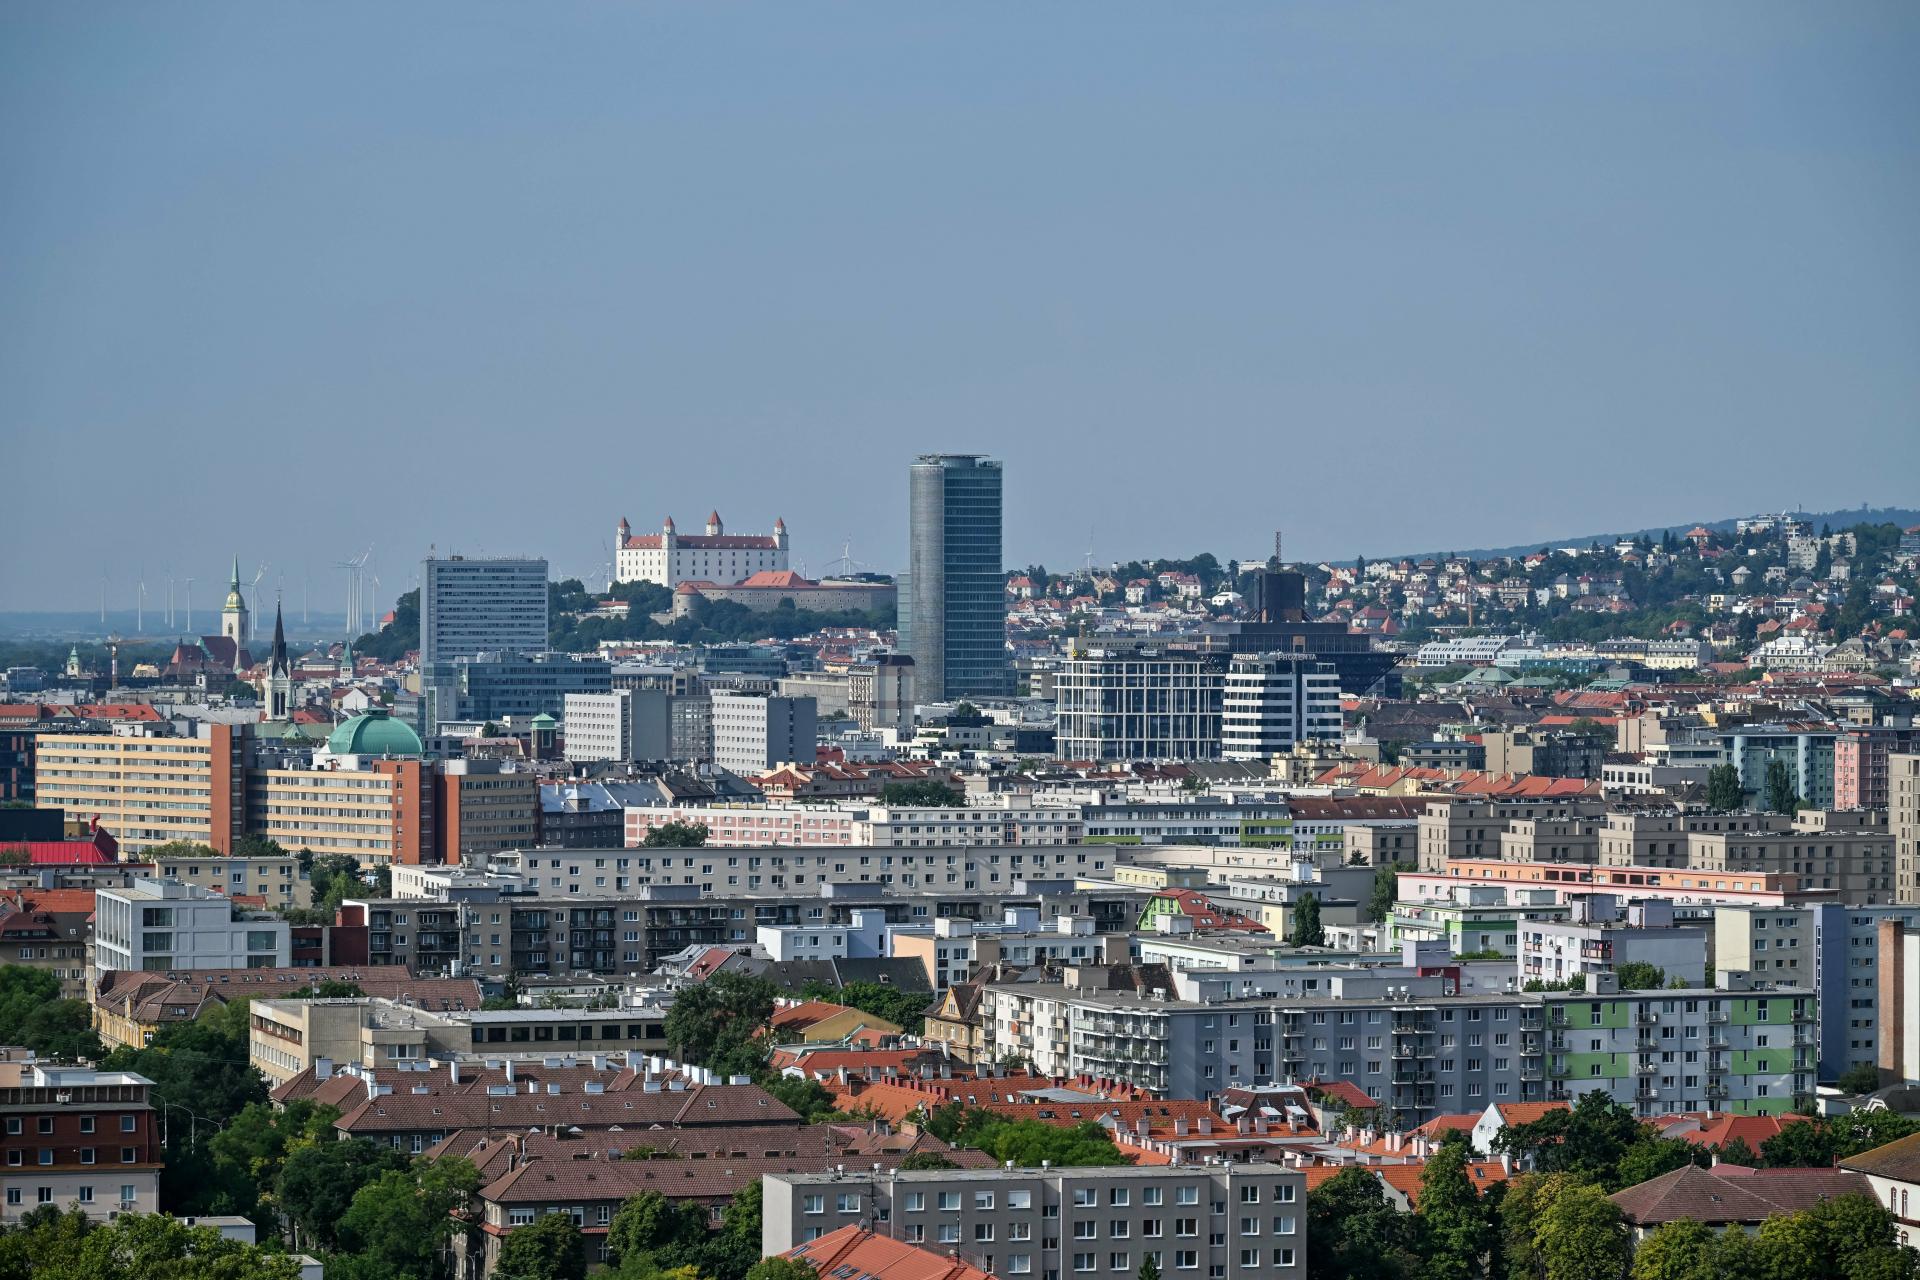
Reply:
x=813, y=1204
x=519, y=1217
x=1118, y=1196
x=982, y=1232
x=86, y=1124
x=1085, y=1230
x=1084, y=1196
x=1250, y=1195
x=129, y=1155
x=1019, y=1199
x=1249, y=1226
x=46, y=1124
x=1249, y=1258
x=1152, y=1195
x=849, y=1203
x=983, y=1199
x=1083, y=1262
x=1119, y=1262
x=1283, y=1226
x=916, y=1201
x=1186, y=1259
x=949, y=1233
x=1284, y=1193
x=1186, y=1195
x=128, y=1123
x=1019, y=1264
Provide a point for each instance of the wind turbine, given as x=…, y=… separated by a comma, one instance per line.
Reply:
x=189, y=604
x=140, y=607
x=169, y=602
x=253, y=615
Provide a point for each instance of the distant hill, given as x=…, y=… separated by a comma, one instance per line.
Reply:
x=1902, y=516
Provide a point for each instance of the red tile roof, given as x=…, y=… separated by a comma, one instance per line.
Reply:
x=853, y=1251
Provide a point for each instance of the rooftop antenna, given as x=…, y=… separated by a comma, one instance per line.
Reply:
x=1277, y=557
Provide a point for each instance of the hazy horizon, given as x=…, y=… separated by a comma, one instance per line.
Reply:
x=290, y=283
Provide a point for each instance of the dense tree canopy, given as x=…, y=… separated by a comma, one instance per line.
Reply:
x=721, y=1024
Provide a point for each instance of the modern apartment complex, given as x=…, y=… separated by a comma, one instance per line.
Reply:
x=953, y=596
x=1227, y=1221
x=1417, y=1049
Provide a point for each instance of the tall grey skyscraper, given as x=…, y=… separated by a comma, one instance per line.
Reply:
x=953, y=609
x=469, y=607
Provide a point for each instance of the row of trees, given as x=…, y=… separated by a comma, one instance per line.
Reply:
x=1556, y=1222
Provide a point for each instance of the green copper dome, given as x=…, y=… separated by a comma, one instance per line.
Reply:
x=376, y=733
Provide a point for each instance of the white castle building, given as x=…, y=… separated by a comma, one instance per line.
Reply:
x=670, y=558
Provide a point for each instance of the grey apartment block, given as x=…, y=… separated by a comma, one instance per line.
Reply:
x=1224, y=1222
x=953, y=610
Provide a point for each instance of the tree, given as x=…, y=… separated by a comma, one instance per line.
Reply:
x=1455, y=1228
x=923, y=793
x=250, y=1152
x=782, y=1269
x=405, y=1218
x=548, y=1248
x=904, y=1009
x=666, y=1233
x=1149, y=1270
x=1353, y=1231
x=1639, y=975
x=317, y=1184
x=721, y=1024
x=1030, y=1142
x=1650, y=1156
x=677, y=835
x=1738, y=1152
x=808, y=1097
x=733, y=1250
x=257, y=847
x=1680, y=1250
x=1386, y=891
x=133, y=1246
x=1780, y=794
x=1723, y=789
x=1580, y=1236
x=926, y=1160
x=1587, y=1140
x=1307, y=930
x=1863, y=1077
x=1525, y=1203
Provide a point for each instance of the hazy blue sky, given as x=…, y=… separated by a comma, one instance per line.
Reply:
x=292, y=279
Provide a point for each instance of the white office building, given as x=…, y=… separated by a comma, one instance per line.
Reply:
x=1274, y=701
x=159, y=925
x=753, y=732
x=626, y=724
x=469, y=607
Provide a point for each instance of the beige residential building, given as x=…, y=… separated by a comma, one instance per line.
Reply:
x=288, y=1036
x=1776, y=944
x=278, y=880
x=1903, y=799
x=147, y=789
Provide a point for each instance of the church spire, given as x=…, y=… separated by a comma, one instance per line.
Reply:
x=235, y=585
x=277, y=660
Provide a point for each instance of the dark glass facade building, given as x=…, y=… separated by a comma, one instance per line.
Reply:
x=953, y=611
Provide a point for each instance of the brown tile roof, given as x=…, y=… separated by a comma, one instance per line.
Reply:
x=1899, y=1159
x=1732, y=1193
x=716, y=1104
x=149, y=997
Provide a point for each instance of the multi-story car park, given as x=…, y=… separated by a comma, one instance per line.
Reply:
x=1408, y=1043
x=1226, y=1222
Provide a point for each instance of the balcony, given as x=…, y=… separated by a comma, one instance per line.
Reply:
x=1645, y=1017
x=1532, y=1073
x=1719, y=1019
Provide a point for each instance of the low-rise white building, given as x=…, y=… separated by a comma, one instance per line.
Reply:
x=159, y=925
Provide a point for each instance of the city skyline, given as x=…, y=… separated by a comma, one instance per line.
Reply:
x=1488, y=278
